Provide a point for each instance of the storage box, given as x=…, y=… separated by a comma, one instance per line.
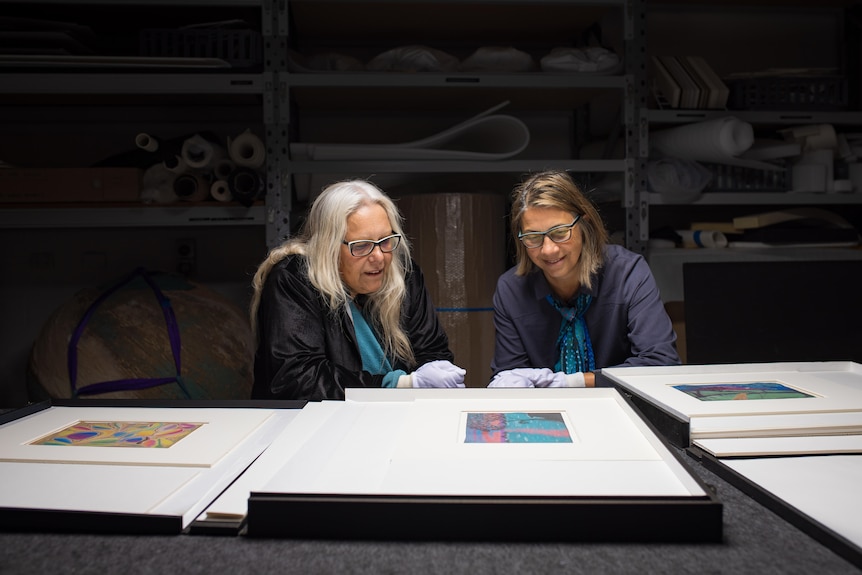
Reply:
x=459, y=240
x=60, y=185
x=788, y=93
x=239, y=48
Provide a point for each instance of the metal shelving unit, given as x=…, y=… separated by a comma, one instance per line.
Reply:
x=138, y=84
x=389, y=23
x=755, y=48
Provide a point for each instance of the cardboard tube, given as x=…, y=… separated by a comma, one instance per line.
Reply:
x=146, y=142
x=191, y=187
x=702, y=239
x=220, y=191
x=247, y=150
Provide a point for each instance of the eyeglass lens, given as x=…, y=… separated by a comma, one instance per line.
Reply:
x=364, y=247
x=557, y=234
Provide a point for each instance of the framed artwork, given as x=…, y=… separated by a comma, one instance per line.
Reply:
x=440, y=465
x=741, y=391
x=692, y=402
x=128, y=435
x=72, y=465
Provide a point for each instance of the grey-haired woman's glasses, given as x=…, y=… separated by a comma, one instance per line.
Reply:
x=557, y=234
x=360, y=248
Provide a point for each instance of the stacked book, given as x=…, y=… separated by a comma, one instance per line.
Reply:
x=688, y=82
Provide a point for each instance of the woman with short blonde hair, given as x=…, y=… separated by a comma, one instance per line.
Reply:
x=573, y=303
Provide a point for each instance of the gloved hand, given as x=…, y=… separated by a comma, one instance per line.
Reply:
x=536, y=377
x=560, y=379
x=439, y=373
x=521, y=377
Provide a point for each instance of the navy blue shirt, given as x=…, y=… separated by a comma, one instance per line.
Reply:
x=627, y=322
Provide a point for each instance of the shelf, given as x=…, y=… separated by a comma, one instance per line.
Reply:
x=755, y=117
x=533, y=80
x=139, y=216
x=763, y=198
x=167, y=3
x=130, y=83
x=453, y=166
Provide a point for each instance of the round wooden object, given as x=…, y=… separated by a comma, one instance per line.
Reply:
x=126, y=337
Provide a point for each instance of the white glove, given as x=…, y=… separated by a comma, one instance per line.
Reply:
x=536, y=377
x=560, y=379
x=439, y=373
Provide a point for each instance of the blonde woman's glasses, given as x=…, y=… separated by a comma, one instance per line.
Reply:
x=360, y=248
x=556, y=234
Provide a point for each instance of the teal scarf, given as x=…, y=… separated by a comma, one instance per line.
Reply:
x=373, y=359
x=576, y=349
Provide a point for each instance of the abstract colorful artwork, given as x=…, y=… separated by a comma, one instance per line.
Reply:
x=516, y=427
x=741, y=391
x=152, y=434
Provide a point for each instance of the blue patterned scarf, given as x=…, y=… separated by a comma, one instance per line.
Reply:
x=576, y=349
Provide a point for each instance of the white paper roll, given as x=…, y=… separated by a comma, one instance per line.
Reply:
x=176, y=164
x=201, y=154
x=146, y=142
x=702, y=239
x=719, y=141
x=157, y=185
x=223, y=168
x=220, y=190
x=247, y=150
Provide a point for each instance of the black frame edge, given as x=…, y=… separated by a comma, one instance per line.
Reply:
x=836, y=542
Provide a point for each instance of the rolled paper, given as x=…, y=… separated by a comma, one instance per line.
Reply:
x=720, y=141
x=223, y=168
x=702, y=238
x=176, y=164
x=200, y=153
x=157, y=185
x=146, y=142
x=245, y=185
x=220, y=191
x=191, y=187
x=247, y=150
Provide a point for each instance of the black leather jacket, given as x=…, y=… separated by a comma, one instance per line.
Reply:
x=305, y=351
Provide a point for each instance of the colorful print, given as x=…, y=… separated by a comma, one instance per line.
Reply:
x=741, y=391
x=120, y=434
x=516, y=427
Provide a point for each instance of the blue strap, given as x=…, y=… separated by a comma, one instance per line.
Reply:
x=135, y=383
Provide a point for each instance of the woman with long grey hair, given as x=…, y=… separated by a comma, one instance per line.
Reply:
x=343, y=305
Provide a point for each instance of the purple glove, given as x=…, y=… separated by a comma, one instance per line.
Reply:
x=439, y=373
x=536, y=377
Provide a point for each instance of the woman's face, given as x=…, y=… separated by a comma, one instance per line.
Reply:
x=364, y=274
x=558, y=261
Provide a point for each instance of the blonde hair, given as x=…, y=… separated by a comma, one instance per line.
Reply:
x=556, y=189
x=320, y=241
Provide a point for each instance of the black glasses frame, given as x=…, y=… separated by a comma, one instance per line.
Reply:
x=379, y=243
x=522, y=236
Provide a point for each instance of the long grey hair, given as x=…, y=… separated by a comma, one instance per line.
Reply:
x=320, y=241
